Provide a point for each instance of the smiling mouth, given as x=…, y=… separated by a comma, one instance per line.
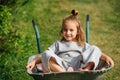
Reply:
x=68, y=36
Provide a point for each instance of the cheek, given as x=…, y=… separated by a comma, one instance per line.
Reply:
x=76, y=33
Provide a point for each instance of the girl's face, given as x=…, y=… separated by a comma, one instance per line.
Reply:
x=69, y=31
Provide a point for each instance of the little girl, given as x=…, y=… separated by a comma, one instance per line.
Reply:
x=71, y=53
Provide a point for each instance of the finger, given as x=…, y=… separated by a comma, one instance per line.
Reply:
x=108, y=63
x=31, y=67
x=27, y=66
x=112, y=63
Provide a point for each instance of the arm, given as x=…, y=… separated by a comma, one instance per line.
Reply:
x=107, y=59
x=32, y=64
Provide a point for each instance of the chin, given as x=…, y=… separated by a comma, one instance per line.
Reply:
x=68, y=40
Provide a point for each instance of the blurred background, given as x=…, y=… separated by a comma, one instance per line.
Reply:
x=18, y=41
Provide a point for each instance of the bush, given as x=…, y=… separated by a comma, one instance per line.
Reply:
x=9, y=37
x=7, y=2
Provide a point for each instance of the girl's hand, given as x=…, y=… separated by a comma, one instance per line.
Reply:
x=31, y=65
x=109, y=61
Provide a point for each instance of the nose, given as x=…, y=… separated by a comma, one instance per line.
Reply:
x=68, y=32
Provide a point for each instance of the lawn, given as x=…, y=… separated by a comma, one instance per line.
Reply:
x=104, y=31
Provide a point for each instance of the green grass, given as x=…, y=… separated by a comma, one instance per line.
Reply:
x=104, y=31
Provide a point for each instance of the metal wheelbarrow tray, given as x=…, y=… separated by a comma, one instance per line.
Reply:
x=82, y=75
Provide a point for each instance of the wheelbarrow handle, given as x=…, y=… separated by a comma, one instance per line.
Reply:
x=87, y=29
x=37, y=36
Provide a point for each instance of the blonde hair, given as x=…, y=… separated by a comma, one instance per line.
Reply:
x=80, y=36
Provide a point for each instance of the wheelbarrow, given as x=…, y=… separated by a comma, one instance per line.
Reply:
x=97, y=74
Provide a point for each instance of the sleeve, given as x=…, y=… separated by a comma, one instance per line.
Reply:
x=54, y=47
